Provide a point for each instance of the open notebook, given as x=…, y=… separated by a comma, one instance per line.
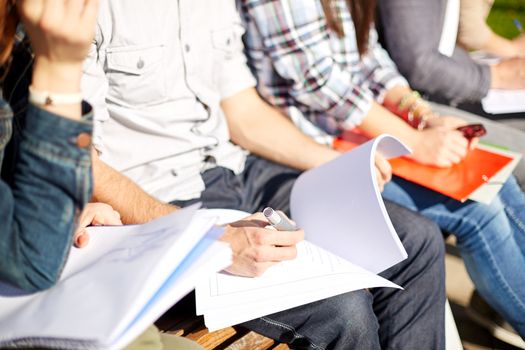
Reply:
x=349, y=239
x=112, y=290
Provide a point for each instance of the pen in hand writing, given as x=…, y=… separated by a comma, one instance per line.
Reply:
x=278, y=220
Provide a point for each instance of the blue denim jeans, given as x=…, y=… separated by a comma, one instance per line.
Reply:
x=491, y=239
x=381, y=318
x=49, y=183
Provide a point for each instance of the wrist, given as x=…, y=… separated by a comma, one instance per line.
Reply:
x=413, y=138
x=56, y=77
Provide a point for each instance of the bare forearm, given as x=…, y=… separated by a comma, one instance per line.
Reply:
x=134, y=205
x=500, y=46
x=264, y=131
x=379, y=121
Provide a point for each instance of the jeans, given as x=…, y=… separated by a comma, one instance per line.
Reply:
x=381, y=318
x=491, y=239
x=49, y=183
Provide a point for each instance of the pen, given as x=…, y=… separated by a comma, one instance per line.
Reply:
x=278, y=220
x=518, y=25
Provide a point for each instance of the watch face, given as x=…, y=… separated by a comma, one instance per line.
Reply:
x=472, y=130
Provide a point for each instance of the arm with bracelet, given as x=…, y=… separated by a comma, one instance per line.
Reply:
x=433, y=139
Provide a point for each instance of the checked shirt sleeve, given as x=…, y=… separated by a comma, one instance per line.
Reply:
x=381, y=70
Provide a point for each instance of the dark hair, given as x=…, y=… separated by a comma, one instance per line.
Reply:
x=8, y=23
x=362, y=12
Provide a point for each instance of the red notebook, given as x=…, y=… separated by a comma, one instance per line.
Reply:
x=458, y=181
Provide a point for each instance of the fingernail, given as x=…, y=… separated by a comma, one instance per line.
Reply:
x=81, y=241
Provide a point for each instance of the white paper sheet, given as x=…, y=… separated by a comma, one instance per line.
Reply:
x=339, y=207
x=341, y=210
x=504, y=101
x=315, y=274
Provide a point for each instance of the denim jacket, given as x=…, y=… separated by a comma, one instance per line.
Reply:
x=49, y=183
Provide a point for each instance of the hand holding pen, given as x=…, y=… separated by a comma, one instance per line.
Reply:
x=279, y=220
x=255, y=248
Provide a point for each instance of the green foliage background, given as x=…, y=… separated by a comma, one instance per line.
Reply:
x=502, y=15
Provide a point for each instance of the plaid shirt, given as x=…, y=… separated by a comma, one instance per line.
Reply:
x=314, y=76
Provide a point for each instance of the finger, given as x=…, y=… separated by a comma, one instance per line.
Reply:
x=266, y=237
x=74, y=9
x=385, y=168
x=275, y=254
x=106, y=218
x=380, y=181
x=53, y=14
x=82, y=240
x=30, y=10
x=99, y=219
x=90, y=12
x=459, y=146
x=286, y=216
x=85, y=220
x=450, y=157
x=259, y=269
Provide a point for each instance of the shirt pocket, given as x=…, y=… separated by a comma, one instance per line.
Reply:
x=226, y=41
x=135, y=74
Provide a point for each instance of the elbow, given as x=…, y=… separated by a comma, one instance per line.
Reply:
x=28, y=277
x=36, y=284
x=423, y=75
x=33, y=280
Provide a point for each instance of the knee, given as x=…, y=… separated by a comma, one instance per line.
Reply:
x=351, y=315
x=424, y=240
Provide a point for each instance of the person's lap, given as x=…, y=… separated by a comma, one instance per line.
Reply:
x=491, y=239
x=350, y=320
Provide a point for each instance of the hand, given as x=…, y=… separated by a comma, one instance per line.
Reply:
x=448, y=122
x=383, y=171
x=256, y=248
x=95, y=214
x=451, y=123
x=61, y=32
x=509, y=74
x=439, y=146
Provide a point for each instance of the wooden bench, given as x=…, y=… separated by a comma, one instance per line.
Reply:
x=181, y=320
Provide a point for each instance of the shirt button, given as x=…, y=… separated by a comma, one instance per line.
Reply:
x=83, y=140
x=187, y=48
x=140, y=63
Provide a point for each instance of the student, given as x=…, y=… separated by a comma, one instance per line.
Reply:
x=455, y=78
x=175, y=102
x=51, y=173
x=324, y=68
x=475, y=34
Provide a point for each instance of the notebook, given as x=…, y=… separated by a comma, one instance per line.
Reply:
x=478, y=177
x=112, y=290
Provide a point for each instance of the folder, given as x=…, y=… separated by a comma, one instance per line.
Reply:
x=478, y=177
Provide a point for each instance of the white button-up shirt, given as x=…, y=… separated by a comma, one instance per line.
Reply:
x=156, y=75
